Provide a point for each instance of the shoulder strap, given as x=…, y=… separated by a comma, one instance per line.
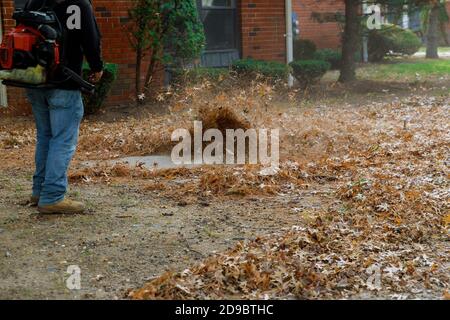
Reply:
x=46, y=5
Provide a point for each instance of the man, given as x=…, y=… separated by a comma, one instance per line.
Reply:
x=58, y=112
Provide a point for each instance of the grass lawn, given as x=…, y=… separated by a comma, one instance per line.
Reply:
x=407, y=70
x=400, y=70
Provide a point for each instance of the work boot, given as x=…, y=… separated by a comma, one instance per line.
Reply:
x=65, y=206
x=33, y=201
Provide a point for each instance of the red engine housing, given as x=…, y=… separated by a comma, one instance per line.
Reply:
x=26, y=40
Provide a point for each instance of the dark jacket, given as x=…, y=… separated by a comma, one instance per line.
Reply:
x=78, y=42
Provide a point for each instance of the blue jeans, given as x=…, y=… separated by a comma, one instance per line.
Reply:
x=58, y=115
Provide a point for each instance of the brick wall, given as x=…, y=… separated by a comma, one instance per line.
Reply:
x=324, y=34
x=16, y=98
x=112, y=17
x=113, y=21
x=263, y=27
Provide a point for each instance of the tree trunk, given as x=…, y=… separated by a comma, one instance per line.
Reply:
x=433, y=33
x=350, y=41
x=138, y=72
x=150, y=72
x=443, y=27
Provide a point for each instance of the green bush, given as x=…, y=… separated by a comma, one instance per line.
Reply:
x=309, y=71
x=392, y=39
x=92, y=103
x=184, y=37
x=269, y=70
x=199, y=74
x=333, y=57
x=304, y=49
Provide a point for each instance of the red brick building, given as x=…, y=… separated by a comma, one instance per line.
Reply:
x=256, y=28
x=234, y=29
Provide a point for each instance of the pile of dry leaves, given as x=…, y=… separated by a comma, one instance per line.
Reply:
x=385, y=235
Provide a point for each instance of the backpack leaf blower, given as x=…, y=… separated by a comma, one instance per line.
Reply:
x=30, y=54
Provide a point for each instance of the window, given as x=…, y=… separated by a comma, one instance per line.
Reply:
x=220, y=22
x=218, y=3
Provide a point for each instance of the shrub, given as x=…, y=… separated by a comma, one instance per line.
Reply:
x=309, y=71
x=184, y=38
x=333, y=57
x=169, y=32
x=92, y=103
x=392, y=39
x=269, y=70
x=198, y=74
x=304, y=49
